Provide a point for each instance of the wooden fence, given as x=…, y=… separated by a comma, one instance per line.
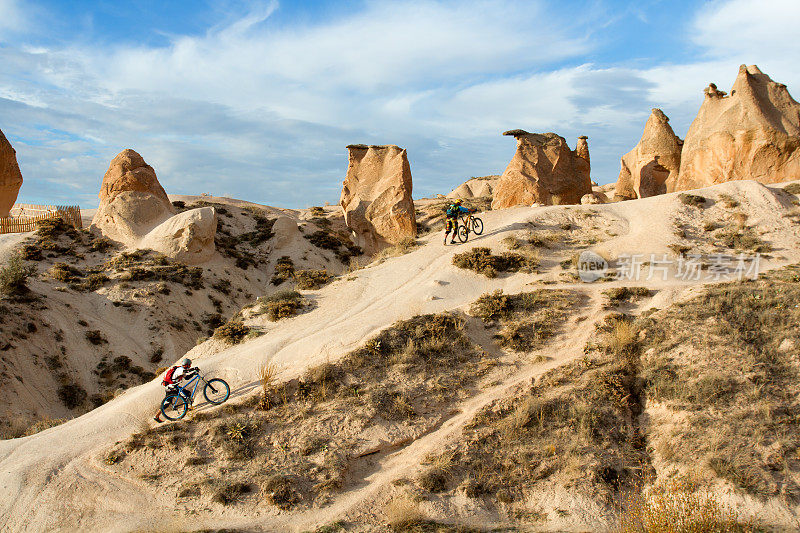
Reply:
x=25, y=217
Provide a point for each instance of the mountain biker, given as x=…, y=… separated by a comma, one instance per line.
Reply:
x=453, y=211
x=173, y=376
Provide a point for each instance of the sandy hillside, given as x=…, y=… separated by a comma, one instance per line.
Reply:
x=91, y=474
x=100, y=318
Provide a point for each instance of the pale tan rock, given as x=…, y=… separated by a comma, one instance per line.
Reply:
x=753, y=133
x=475, y=188
x=10, y=176
x=652, y=166
x=128, y=172
x=135, y=211
x=543, y=170
x=187, y=237
x=286, y=233
x=594, y=197
x=376, y=196
x=132, y=201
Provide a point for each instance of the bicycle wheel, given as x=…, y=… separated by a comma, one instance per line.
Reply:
x=477, y=226
x=174, y=407
x=216, y=391
x=463, y=233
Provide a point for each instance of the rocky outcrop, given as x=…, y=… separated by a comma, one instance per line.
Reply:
x=753, y=133
x=594, y=197
x=286, y=233
x=187, y=237
x=132, y=201
x=376, y=196
x=135, y=211
x=544, y=170
x=652, y=166
x=10, y=176
x=475, y=188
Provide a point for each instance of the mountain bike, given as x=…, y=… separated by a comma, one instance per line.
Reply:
x=469, y=224
x=175, y=405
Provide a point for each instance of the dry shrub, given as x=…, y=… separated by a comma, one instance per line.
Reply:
x=311, y=279
x=283, y=304
x=72, y=395
x=618, y=295
x=728, y=201
x=482, y=261
x=95, y=336
x=792, y=188
x=280, y=491
x=228, y=492
x=284, y=270
x=232, y=332
x=692, y=199
x=740, y=218
x=743, y=238
x=402, y=513
x=676, y=509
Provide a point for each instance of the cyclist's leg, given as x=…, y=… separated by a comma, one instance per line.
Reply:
x=455, y=231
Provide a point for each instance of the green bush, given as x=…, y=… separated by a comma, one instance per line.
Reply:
x=14, y=276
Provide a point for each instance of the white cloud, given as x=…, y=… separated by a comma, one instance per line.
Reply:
x=12, y=19
x=747, y=28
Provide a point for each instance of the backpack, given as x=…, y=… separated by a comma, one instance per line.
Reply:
x=168, y=376
x=452, y=211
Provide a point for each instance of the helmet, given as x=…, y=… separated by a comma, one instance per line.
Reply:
x=458, y=201
x=186, y=362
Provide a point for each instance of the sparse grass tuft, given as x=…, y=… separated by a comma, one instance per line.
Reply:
x=403, y=513
x=526, y=319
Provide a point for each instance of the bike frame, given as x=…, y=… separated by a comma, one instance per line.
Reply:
x=196, y=379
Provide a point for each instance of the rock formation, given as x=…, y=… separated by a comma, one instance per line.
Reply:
x=475, y=188
x=187, y=237
x=652, y=166
x=134, y=210
x=754, y=133
x=543, y=170
x=594, y=197
x=286, y=233
x=132, y=201
x=10, y=176
x=376, y=196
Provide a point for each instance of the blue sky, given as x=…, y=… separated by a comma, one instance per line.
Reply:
x=257, y=99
